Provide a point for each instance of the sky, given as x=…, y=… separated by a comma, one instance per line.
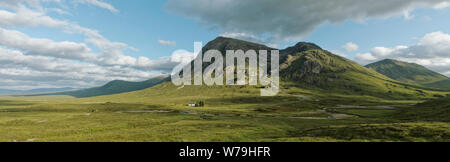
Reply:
x=86, y=43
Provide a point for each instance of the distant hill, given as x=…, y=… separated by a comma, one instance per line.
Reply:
x=310, y=67
x=411, y=73
x=8, y=91
x=33, y=91
x=115, y=87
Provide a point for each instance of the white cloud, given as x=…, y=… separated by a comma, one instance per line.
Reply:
x=99, y=3
x=432, y=51
x=351, y=47
x=339, y=53
x=407, y=15
x=58, y=11
x=80, y=52
x=32, y=18
x=27, y=17
x=292, y=19
x=20, y=3
x=45, y=47
x=167, y=43
x=442, y=5
x=183, y=56
x=365, y=58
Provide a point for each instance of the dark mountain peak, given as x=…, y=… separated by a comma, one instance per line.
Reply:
x=116, y=81
x=393, y=62
x=223, y=43
x=301, y=47
x=221, y=38
x=307, y=45
x=387, y=61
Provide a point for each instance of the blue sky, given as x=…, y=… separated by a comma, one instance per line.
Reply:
x=138, y=23
x=117, y=39
x=142, y=23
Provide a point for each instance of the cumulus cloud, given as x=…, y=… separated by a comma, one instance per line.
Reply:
x=81, y=52
x=34, y=46
x=167, y=43
x=26, y=17
x=292, y=19
x=18, y=71
x=432, y=51
x=339, y=53
x=351, y=47
x=21, y=71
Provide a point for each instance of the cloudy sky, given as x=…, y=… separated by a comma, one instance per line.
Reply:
x=85, y=43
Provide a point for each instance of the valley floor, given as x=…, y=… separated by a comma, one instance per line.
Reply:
x=285, y=118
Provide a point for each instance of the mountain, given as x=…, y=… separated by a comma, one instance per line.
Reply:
x=34, y=91
x=308, y=73
x=310, y=67
x=303, y=67
x=411, y=73
x=8, y=91
x=222, y=44
x=114, y=87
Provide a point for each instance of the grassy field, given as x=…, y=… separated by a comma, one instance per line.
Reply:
x=231, y=114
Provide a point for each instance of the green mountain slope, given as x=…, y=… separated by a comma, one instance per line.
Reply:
x=411, y=73
x=443, y=84
x=115, y=87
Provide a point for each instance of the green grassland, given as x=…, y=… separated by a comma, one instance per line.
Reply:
x=231, y=114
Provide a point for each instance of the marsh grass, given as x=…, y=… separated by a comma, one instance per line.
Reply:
x=230, y=114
